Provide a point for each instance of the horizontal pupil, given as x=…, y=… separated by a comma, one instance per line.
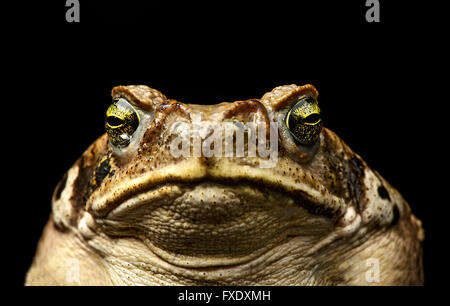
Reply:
x=313, y=118
x=114, y=121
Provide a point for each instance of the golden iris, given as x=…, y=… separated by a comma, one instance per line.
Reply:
x=121, y=122
x=304, y=121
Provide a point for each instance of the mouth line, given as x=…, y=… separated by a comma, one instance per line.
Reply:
x=301, y=198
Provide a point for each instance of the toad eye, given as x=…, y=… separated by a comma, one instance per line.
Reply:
x=304, y=121
x=121, y=122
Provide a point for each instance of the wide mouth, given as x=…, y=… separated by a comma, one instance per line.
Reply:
x=306, y=193
x=148, y=194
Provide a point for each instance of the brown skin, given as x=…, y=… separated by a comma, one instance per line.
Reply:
x=139, y=215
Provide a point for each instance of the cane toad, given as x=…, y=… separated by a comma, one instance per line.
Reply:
x=136, y=210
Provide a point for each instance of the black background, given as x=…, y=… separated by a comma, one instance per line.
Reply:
x=374, y=82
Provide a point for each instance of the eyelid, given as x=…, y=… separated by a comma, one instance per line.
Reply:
x=133, y=107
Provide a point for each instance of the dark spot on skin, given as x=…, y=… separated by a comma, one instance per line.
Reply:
x=396, y=213
x=383, y=193
x=345, y=173
x=97, y=175
x=102, y=171
x=355, y=180
x=60, y=187
x=81, y=185
x=357, y=162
